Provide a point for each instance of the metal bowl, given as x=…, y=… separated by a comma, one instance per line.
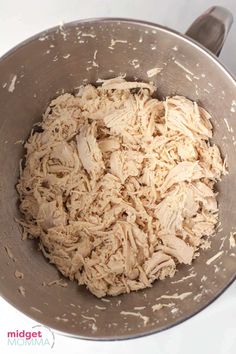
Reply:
x=62, y=59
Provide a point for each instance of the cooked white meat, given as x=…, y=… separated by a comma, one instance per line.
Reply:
x=119, y=186
x=88, y=150
x=177, y=248
x=183, y=171
x=186, y=117
x=51, y=214
x=126, y=163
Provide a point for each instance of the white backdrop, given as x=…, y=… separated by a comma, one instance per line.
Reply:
x=212, y=331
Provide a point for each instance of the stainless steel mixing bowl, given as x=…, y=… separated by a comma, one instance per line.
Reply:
x=61, y=59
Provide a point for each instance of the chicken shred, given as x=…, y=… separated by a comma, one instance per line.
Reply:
x=118, y=186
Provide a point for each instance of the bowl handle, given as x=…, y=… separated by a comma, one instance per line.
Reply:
x=211, y=28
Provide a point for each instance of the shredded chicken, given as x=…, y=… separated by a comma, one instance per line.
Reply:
x=118, y=186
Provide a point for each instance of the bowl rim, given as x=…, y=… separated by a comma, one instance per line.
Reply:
x=91, y=20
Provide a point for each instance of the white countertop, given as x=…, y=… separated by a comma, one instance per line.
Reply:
x=212, y=331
